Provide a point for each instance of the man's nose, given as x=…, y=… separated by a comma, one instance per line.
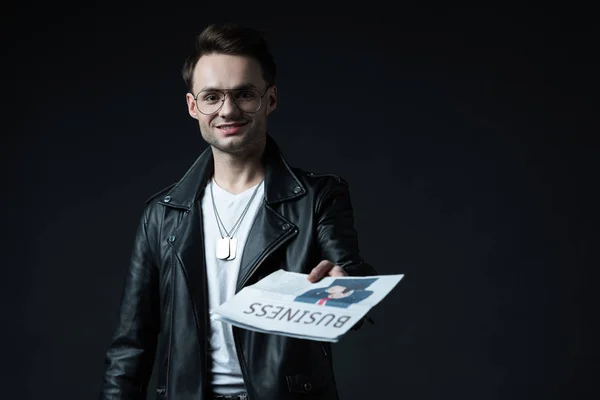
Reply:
x=229, y=108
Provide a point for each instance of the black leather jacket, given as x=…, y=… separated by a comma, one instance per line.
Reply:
x=305, y=218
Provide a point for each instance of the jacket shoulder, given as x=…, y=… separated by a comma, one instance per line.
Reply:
x=317, y=177
x=159, y=193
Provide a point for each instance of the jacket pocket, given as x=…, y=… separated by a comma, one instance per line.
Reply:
x=305, y=384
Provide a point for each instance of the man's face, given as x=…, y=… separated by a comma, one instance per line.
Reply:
x=230, y=129
x=337, y=292
x=336, y=289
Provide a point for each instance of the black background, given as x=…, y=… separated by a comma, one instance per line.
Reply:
x=468, y=138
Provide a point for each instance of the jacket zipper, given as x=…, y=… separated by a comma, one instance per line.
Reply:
x=324, y=350
x=236, y=337
x=206, y=318
x=206, y=323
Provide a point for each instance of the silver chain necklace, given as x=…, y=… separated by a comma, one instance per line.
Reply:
x=227, y=244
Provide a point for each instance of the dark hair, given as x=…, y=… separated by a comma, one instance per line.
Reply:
x=230, y=38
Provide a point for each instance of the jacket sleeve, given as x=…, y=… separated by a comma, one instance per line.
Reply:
x=130, y=355
x=338, y=239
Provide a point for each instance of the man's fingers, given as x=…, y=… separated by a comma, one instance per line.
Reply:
x=321, y=270
x=337, y=271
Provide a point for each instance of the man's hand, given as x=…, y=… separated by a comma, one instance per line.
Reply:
x=323, y=269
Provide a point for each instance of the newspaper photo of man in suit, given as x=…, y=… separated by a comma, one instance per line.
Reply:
x=341, y=293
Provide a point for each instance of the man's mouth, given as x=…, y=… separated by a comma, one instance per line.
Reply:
x=231, y=128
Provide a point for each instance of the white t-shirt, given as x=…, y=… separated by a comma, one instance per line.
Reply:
x=222, y=276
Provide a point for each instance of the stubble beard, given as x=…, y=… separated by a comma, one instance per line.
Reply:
x=252, y=141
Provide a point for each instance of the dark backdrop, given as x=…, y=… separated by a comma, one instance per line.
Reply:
x=468, y=140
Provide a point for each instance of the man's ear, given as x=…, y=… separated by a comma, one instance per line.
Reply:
x=191, y=105
x=271, y=99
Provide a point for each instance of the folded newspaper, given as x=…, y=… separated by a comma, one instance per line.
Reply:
x=286, y=303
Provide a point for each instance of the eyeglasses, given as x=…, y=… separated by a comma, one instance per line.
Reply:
x=210, y=101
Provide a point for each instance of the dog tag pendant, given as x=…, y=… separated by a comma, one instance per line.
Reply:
x=223, y=248
x=232, y=248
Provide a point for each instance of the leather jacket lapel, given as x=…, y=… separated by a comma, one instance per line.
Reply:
x=187, y=240
x=269, y=231
x=188, y=243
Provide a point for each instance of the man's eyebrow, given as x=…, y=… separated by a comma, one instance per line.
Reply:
x=238, y=87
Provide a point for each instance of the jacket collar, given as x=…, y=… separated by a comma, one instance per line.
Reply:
x=280, y=181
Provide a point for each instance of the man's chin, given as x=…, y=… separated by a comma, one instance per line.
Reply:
x=237, y=144
x=234, y=144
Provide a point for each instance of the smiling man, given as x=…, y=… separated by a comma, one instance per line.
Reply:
x=239, y=213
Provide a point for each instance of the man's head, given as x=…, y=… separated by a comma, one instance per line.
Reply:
x=345, y=287
x=336, y=289
x=339, y=292
x=231, y=87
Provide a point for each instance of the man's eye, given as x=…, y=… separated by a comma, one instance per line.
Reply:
x=245, y=94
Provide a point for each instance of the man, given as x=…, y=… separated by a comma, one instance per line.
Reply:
x=238, y=214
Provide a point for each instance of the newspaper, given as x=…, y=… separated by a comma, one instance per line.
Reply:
x=286, y=303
